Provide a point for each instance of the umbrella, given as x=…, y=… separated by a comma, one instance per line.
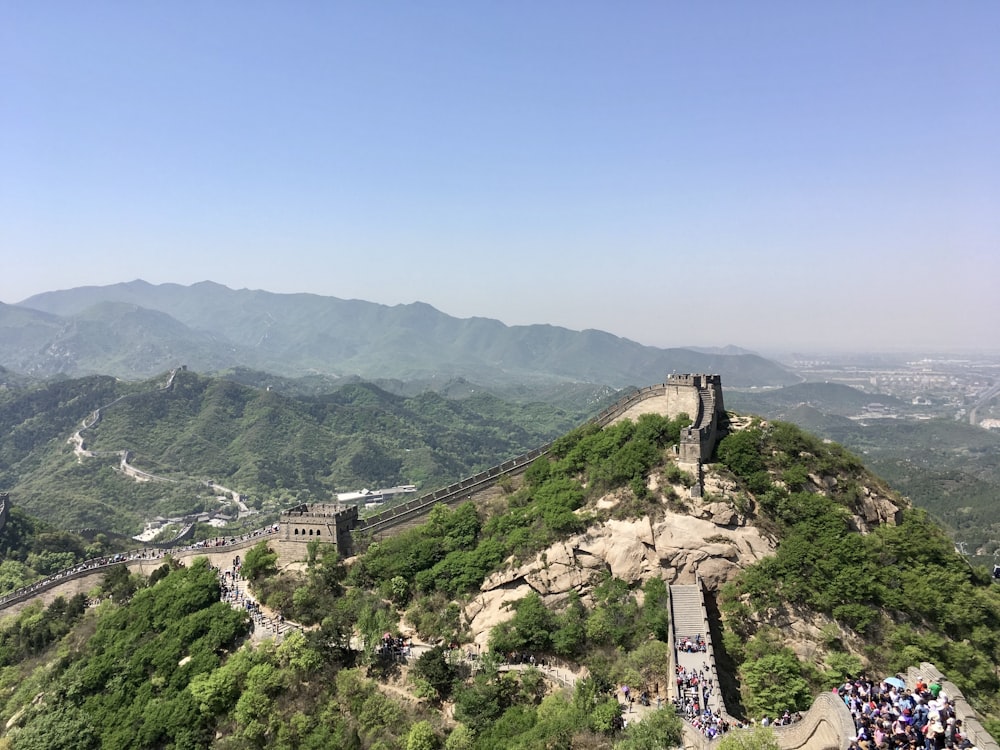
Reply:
x=895, y=682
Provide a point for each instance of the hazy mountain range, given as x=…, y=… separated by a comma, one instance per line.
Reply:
x=136, y=329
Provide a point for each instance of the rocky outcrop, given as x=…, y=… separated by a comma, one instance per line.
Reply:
x=713, y=543
x=875, y=509
x=872, y=508
x=708, y=537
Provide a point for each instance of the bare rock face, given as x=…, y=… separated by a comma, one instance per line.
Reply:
x=874, y=510
x=804, y=629
x=721, y=514
x=677, y=548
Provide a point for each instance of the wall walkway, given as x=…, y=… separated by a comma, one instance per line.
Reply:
x=700, y=396
x=145, y=561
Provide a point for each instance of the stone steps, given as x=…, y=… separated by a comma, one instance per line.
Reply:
x=687, y=611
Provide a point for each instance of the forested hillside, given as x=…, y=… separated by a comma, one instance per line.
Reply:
x=948, y=467
x=877, y=596
x=275, y=448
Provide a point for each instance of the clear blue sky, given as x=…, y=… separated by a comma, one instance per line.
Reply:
x=770, y=174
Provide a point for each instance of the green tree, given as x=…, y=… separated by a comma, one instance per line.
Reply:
x=260, y=562
x=460, y=739
x=656, y=609
x=433, y=667
x=530, y=629
x=422, y=737
x=741, y=452
x=773, y=683
x=651, y=662
x=569, y=637
x=758, y=738
x=657, y=730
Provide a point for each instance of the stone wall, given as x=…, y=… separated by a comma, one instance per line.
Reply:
x=144, y=561
x=698, y=396
x=827, y=725
x=972, y=727
x=326, y=523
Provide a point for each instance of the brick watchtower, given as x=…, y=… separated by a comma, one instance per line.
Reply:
x=326, y=523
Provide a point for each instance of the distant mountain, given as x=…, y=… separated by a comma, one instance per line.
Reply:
x=136, y=329
x=729, y=350
x=275, y=447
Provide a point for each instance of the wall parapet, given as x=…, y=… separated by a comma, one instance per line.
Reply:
x=97, y=564
x=972, y=727
x=708, y=386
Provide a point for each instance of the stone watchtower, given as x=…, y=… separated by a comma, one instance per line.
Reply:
x=326, y=523
x=708, y=426
x=708, y=419
x=697, y=395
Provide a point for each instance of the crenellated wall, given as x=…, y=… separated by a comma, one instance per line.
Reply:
x=698, y=396
x=972, y=727
x=143, y=560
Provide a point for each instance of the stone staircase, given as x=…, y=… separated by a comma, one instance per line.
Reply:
x=690, y=620
x=707, y=400
x=687, y=611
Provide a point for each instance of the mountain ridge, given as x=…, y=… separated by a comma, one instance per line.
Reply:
x=298, y=334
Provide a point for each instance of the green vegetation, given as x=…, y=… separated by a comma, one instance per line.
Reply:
x=37, y=628
x=758, y=738
x=949, y=468
x=902, y=587
x=165, y=664
x=126, y=686
x=456, y=549
x=277, y=449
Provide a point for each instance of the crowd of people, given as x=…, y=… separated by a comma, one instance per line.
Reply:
x=890, y=716
x=240, y=597
x=694, y=693
x=693, y=689
x=394, y=647
x=689, y=645
x=157, y=553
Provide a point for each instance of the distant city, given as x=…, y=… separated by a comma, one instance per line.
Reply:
x=931, y=386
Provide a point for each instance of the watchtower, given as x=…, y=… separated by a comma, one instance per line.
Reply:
x=326, y=523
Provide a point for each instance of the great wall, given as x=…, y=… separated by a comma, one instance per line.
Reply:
x=698, y=396
x=827, y=725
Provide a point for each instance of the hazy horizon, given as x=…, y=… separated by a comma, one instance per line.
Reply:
x=772, y=353
x=780, y=178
